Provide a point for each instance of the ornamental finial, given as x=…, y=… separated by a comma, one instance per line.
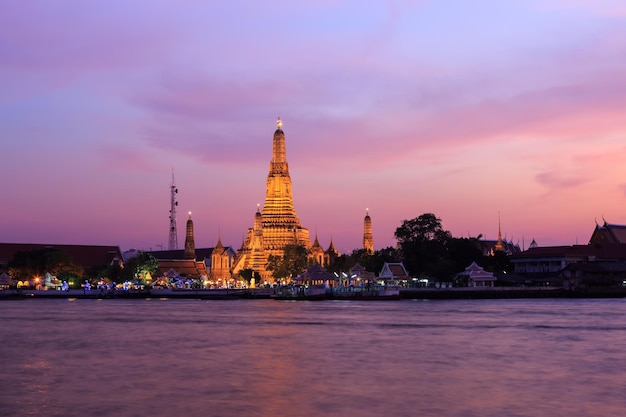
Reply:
x=279, y=124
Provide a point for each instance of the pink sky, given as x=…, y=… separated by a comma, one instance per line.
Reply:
x=402, y=107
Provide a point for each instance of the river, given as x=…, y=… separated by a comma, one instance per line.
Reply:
x=168, y=358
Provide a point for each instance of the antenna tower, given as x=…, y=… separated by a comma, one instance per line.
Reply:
x=173, y=245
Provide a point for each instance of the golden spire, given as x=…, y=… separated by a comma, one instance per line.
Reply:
x=368, y=237
x=499, y=243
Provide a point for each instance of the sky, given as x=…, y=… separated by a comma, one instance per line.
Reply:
x=481, y=112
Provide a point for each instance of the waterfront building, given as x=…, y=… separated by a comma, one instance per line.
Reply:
x=607, y=246
x=393, y=271
x=478, y=277
x=180, y=266
x=277, y=224
x=204, y=264
x=608, y=233
x=363, y=276
x=317, y=275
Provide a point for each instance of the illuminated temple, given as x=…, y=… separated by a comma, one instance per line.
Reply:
x=277, y=224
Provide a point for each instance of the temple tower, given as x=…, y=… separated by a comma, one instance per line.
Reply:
x=190, y=245
x=281, y=225
x=499, y=244
x=368, y=237
x=277, y=224
x=220, y=262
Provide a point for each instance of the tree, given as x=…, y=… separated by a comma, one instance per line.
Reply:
x=38, y=262
x=372, y=262
x=499, y=263
x=423, y=244
x=294, y=261
x=138, y=267
x=247, y=275
x=464, y=251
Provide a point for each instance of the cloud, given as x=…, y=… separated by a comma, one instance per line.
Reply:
x=126, y=159
x=555, y=180
x=76, y=36
x=599, y=7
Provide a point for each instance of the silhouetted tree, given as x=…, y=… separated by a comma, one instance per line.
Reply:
x=464, y=251
x=424, y=247
x=294, y=261
x=247, y=275
x=372, y=262
x=138, y=267
x=38, y=262
x=499, y=263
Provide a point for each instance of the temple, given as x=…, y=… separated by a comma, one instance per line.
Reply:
x=277, y=224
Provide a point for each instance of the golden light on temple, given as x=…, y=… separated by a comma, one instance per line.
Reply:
x=279, y=123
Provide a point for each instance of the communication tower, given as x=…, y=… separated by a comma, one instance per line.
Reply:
x=173, y=245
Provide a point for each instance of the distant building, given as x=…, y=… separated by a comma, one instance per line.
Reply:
x=277, y=224
x=86, y=256
x=185, y=265
x=608, y=234
x=331, y=253
x=478, y=277
x=490, y=247
x=359, y=273
x=316, y=275
x=607, y=246
x=393, y=271
x=197, y=264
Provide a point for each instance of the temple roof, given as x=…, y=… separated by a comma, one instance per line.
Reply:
x=606, y=251
x=187, y=267
x=608, y=233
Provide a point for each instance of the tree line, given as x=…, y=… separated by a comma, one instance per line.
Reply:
x=424, y=247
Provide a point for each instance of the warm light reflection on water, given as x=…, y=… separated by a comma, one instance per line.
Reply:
x=273, y=358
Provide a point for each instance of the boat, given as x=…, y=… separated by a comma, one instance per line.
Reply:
x=372, y=292
x=300, y=292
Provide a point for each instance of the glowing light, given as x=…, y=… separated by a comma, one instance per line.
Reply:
x=279, y=123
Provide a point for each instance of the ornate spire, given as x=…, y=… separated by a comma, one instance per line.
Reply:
x=219, y=240
x=368, y=237
x=499, y=244
x=190, y=246
x=276, y=224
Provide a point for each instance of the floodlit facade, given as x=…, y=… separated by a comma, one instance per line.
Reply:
x=277, y=224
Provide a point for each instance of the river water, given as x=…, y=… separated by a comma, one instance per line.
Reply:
x=546, y=357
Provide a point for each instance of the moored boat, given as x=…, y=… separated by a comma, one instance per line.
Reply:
x=374, y=292
x=300, y=292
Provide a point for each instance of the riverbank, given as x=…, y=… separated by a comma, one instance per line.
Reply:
x=510, y=292
x=261, y=293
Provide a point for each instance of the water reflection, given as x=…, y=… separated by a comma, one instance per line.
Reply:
x=343, y=358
